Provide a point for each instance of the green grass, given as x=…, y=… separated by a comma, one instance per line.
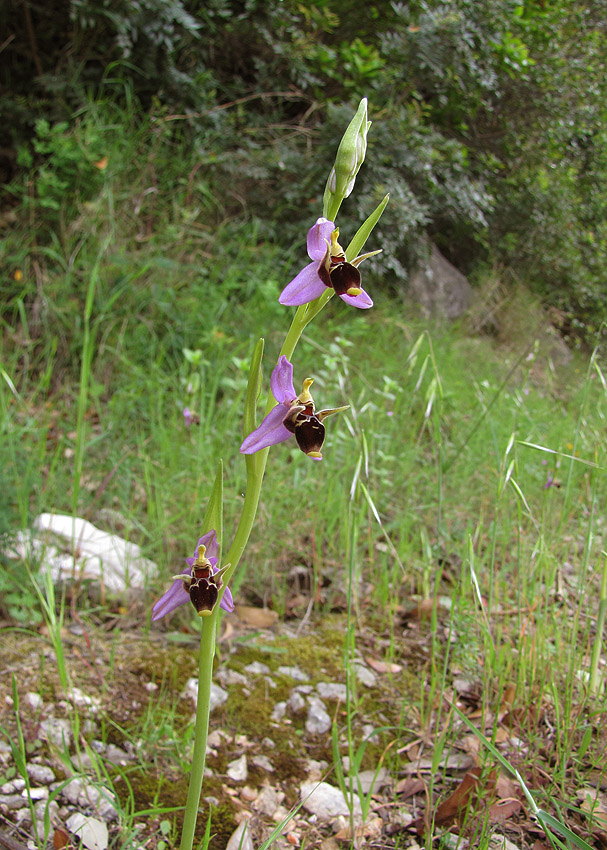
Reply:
x=448, y=442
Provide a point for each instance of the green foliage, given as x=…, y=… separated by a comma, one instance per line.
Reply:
x=488, y=122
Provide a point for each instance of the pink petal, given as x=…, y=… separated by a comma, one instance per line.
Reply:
x=210, y=541
x=318, y=236
x=173, y=598
x=305, y=287
x=282, y=381
x=362, y=301
x=270, y=432
x=227, y=601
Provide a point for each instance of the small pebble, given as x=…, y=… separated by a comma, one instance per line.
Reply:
x=318, y=721
x=237, y=769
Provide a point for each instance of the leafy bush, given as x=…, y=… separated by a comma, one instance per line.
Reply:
x=488, y=121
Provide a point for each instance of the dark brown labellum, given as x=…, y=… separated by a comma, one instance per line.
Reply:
x=344, y=276
x=203, y=594
x=309, y=433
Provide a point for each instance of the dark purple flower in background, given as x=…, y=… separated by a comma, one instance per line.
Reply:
x=293, y=415
x=200, y=583
x=329, y=268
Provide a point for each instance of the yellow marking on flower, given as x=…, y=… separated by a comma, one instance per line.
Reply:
x=204, y=613
x=354, y=290
x=305, y=397
x=314, y=454
x=336, y=249
x=18, y=275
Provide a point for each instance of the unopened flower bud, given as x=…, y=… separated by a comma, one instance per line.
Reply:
x=350, y=157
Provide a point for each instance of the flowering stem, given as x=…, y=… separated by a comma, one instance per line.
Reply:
x=203, y=706
x=256, y=464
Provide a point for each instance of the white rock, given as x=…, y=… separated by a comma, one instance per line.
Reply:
x=365, y=675
x=57, y=731
x=71, y=790
x=231, y=677
x=327, y=802
x=294, y=673
x=368, y=780
x=256, y=668
x=34, y=700
x=238, y=770
x=268, y=800
x=263, y=763
x=279, y=711
x=218, y=695
x=240, y=838
x=318, y=721
x=13, y=787
x=11, y=801
x=40, y=773
x=82, y=700
x=99, y=555
x=92, y=832
x=297, y=703
x=332, y=690
x=40, y=793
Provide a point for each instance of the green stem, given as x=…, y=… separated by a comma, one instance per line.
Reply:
x=256, y=465
x=593, y=685
x=203, y=706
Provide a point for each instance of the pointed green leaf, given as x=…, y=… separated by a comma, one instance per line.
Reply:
x=363, y=232
x=249, y=419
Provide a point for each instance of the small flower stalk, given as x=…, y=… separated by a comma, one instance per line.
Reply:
x=293, y=415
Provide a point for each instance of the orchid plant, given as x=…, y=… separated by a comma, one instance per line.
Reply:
x=203, y=582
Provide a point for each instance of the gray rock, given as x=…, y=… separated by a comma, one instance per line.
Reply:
x=364, y=675
x=318, y=721
x=57, y=731
x=240, y=838
x=294, y=673
x=263, y=763
x=238, y=770
x=327, y=802
x=332, y=690
x=36, y=793
x=279, y=711
x=231, y=677
x=440, y=289
x=218, y=695
x=12, y=787
x=99, y=555
x=34, y=700
x=92, y=833
x=268, y=800
x=256, y=668
x=40, y=773
x=11, y=801
x=297, y=703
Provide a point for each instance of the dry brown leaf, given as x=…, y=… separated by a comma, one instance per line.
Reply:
x=506, y=787
x=595, y=803
x=409, y=786
x=503, y=810
x=383, y=666
x=261, y=618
